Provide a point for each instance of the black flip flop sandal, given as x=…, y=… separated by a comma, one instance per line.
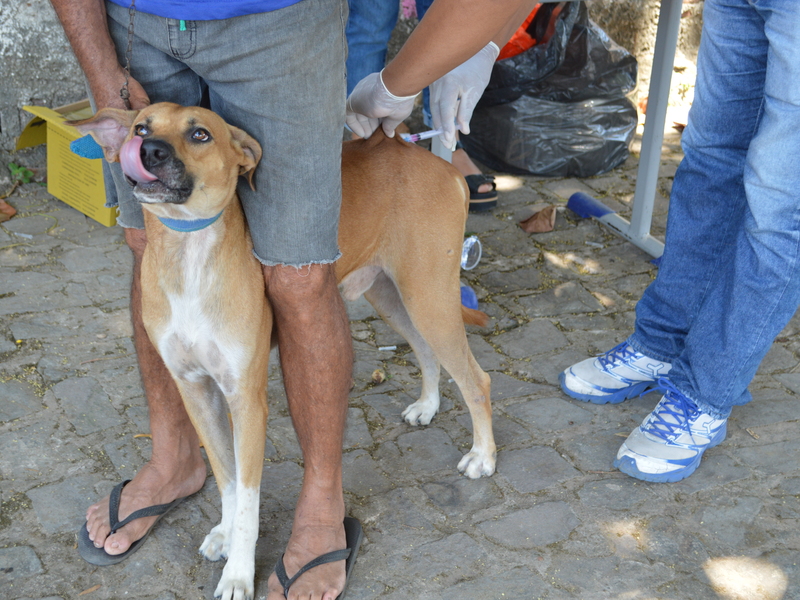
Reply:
x=353, y=533
x=480, y=201
x=98, y=556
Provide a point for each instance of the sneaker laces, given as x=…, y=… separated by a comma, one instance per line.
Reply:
x=673, y=412
x=618, y=354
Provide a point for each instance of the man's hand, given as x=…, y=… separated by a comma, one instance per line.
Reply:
x=370, y=104
x=106, y=94
x=454, y=96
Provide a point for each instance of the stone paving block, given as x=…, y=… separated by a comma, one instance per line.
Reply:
x=533, y=469
x=356, y=433
x=359, y=310
x=280, y=432
x=18, y=399
x=459, y=497
x=520, y=583
x=565, y=298
x=537, y=337
x=564, y=188
x=728, y=522
x=445, y=561
x=499, y=282
x=611, y=577
x=280, y=485
x=80, y=260
x=790, y=380
x=86, y=405
x=505, y=387
x=362, y=476
x=594, y=454
x=534, y=527
x=390, y=407
x=61, y=507
x=18, y=562
x=549, y=414
x=663, y=540
x=615, y=494
x=428, y=450
x=488, y=358
x=772, y=458
x=32, y=450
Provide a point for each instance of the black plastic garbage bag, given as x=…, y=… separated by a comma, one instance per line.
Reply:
x=575, y=121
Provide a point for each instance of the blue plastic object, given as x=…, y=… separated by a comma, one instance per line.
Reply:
x=86, y=147
x=585, y=206
x=468, y=297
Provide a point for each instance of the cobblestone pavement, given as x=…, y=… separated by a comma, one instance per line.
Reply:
x=556, y=521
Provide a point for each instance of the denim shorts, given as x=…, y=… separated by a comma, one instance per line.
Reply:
x=279, y=76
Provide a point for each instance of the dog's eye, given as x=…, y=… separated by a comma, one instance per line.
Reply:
x=201, y=135
x=141, y=130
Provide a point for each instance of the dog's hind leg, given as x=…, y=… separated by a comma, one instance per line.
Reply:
x=435, y=316
x=383, y=295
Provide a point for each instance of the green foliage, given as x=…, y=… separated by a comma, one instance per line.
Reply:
x=20, y=174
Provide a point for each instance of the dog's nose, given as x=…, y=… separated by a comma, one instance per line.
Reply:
x=155, y=153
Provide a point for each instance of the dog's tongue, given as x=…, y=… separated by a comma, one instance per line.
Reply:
x=131, y=161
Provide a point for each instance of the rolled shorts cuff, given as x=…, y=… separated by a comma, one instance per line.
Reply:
x=299, y=265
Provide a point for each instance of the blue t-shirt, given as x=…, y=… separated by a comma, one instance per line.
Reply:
x=205, y=10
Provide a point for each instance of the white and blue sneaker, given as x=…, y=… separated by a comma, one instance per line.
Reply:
x=617, y=375
x=670, y=442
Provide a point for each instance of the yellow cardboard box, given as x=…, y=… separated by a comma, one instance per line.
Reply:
x=71, y=178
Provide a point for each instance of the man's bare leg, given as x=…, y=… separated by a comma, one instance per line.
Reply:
x=176, y=467
x=317, y=360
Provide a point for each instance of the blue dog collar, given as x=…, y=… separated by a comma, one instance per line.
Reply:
x=187, y=226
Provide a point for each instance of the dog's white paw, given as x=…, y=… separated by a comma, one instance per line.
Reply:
x=235, y=587
x=215, y=546
x=476, y=464
x=419, y=413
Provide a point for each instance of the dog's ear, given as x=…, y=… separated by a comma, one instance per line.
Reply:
x=251, y=153
x=109, y=128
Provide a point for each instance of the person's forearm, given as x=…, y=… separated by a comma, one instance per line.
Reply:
x=84, y=22
x=451, y=32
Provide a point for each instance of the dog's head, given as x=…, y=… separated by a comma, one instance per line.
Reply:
x=182, y=161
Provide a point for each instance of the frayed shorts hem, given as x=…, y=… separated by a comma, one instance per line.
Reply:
x=272, y=263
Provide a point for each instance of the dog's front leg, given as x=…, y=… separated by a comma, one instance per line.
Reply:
x=249, y=417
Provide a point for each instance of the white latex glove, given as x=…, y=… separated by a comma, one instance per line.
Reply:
x=370, y=104
x=454, y=95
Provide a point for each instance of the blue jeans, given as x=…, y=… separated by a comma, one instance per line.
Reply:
x=729, y=280
x=260, y=74
x=368, y=30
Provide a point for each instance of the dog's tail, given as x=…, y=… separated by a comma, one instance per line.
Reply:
x=474, y=317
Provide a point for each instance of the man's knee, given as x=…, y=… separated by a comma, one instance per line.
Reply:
x=307, y=280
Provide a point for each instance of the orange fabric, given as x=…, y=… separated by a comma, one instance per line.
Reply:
x=521, y=40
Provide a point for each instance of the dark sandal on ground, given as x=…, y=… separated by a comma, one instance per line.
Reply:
x=479, y=201
x=353, y=534
x=98, y=556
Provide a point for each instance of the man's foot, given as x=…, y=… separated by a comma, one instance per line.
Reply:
x=152, y=485
x=670, y=442
x=314, y=533
x=617, y=375
x=465, y=166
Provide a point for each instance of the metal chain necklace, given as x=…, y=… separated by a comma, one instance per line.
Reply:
x=125, y=93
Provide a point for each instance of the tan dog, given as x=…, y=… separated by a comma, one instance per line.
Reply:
x=204, y=305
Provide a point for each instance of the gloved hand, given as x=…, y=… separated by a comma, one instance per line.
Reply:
x=370, y=104
x=454, y=95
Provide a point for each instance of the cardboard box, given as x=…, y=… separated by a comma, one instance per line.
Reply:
x=71, y=178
